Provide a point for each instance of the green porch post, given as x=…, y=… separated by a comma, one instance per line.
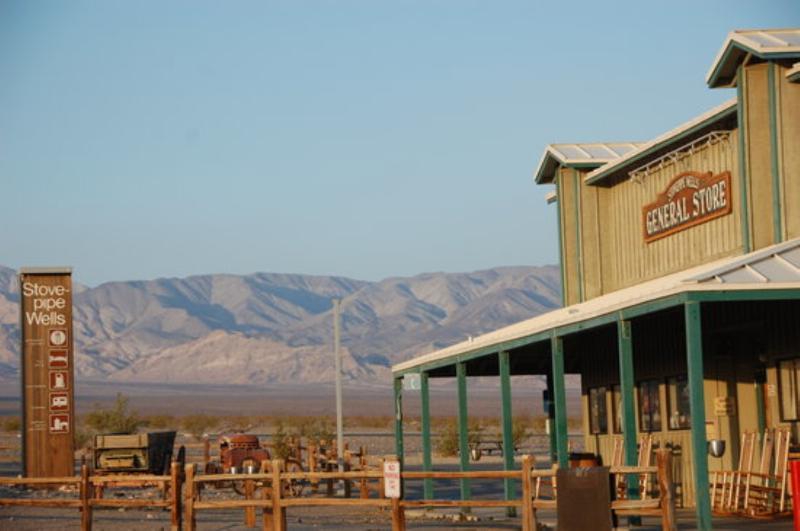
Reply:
x=463, y=428
x=427, y=464
x=560, y=399
x=625, y=346
x=551, y=417
x=508, y=428
x=694, y=362
x=398, y=418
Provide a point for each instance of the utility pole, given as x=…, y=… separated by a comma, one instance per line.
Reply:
x=337, y=355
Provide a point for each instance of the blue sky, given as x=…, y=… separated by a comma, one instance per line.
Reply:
x=359, y=138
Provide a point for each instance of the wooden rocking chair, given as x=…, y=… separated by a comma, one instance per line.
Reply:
x=727, y=490
x=644, y=459
x=766, y=489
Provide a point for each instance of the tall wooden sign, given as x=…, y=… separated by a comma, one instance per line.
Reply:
x=47, y=372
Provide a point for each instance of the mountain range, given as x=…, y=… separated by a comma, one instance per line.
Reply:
x=277, y=328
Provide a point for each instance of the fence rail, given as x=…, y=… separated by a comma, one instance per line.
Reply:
x=183, y=488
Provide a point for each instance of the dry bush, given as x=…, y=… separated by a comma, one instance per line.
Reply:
x=447, y=442
x=11, y=424
x=116, y=419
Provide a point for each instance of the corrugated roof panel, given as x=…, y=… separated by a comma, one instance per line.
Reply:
x=572, y=152
x=776, y=270
x=792, y=256
x=743, y=275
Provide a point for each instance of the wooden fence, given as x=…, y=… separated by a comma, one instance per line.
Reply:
x=182, y=493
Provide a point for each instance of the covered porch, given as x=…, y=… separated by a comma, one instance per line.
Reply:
x=654, y=358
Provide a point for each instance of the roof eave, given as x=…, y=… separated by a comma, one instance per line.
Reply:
x=728, y=109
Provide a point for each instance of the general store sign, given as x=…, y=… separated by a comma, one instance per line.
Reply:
x=47, y=372
x=690, y=199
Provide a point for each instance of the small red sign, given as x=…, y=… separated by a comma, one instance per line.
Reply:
x=59, y=423
x=58, y=337
x=59, y=401
x=57, y=359
x=59, y=381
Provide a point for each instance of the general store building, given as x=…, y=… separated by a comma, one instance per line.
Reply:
x=680, y=260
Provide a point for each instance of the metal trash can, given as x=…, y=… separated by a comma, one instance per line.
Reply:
x=584, y=499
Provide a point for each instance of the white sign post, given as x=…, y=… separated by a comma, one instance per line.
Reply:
x=391, y=479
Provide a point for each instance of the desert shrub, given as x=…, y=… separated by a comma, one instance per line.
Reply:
x=11, y=424
x=316, y=428
x=116, y=419
x=280, y=442
x=447, y=442
x=199, y=425
x=519, y=430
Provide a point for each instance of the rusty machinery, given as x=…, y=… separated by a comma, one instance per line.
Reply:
x=242, y=453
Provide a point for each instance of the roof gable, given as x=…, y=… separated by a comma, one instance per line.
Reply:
x=765, y=44
x=586, y=155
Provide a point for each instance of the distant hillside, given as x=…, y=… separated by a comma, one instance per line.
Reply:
x=270, y=327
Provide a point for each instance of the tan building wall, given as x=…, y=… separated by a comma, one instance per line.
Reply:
x=789, y=151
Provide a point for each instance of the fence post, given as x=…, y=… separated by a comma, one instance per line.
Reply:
x=265, y=494
x=381, y=485
x=329, y=489
x=249, y=512
x=398, y=515
x=86, y=498
x=175, y=496
x=278, y=514
x=188, y=500
x=348, y=485
x=363, y=486
x=206, y=452
x=312, y=464
x=528, y=516
x=664, y=473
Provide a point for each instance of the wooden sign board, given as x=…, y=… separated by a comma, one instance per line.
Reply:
x=47, y=372
x=690, y=199
x=724, y=406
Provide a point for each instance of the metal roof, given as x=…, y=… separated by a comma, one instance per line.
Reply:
x=588, y=155
x=775, y=267
x=765, y=44
x=779, y=263
x=692, y=128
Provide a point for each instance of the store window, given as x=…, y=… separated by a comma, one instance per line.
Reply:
x=788, y=379
x=680, y=417
x=598, y=411
x=649, y=406
x=616, y=404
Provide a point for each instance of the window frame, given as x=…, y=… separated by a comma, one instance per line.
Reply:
x=669, y=382
x=794, y=373
x=657, y=410
x=603, y=414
